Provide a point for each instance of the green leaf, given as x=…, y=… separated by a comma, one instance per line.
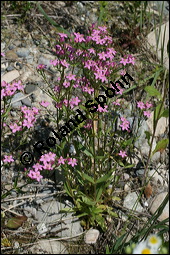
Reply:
x=99, y=191
x=157, y=113
x=116, y=198
x=161, y=145
x=60, y=29
x=87, y=152
x=148, y=135
x=68, y=189
x=165, y=113
x=104, y=178
x=88, y=178
x=153, y=92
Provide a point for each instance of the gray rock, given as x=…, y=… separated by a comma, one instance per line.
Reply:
x=157, y=202
x=10, y=76
x=26, y=101
x=91, y=236
x=11, y=54
x=45, y=59
x=49, y=213
x=131, y=202
x=17, y=104
x=30, y=88
x=23, y=52
x=48, y=247
x=10, y=68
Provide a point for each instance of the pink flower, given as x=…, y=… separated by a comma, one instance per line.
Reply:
x=102, y=55
x=35, y=110
x=72, y=161
x=92, y=51
x=122, y=154
x=28, y=123
x=8, y=159
x=88, y=124
x=48, y=157
x=62, y=36
x=15, y=128
x=31, y=174
x=120, y=89
x=71, y=77
x=47, y=166
x=37, y=167
x=59, y=105
x=18, y=85
x=44, y=103
x=148, y=105
x=41, y=66
x=2, y=54
x=140, y=105
x=122, y=72
x=125, y=124
x=57, y=88
x=64, y=63
x=116, y=103
x=131, y=59
x=74, y=101
x=61, y=160
x=35, y=175
x=79, y=37
x=66, y=84
x=147, y=113
x=38, y=176
x=103, y=28
x=101, y=109
x=124, y=61
x=54, y=62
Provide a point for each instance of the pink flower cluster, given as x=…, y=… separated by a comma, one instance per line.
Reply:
x=74, y=101
x=100, y=62
x=29, y=116
x=8, y=159
x=48, y=161
x=125, y=124
x=10, y=89
x=146, y=105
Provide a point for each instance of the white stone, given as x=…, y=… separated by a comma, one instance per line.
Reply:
x=156, y=176
x=91, y=236
x=161, y=125
x=153, y=38
x=48, y=247
x=157, y=202
x=10, y=76
x=131, y=202
x=42, y=229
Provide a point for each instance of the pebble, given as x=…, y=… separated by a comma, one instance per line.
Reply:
x=130, y=202
x=91, y=236
x=23, y=52
x=26, y=101
x=30, y=88
x=161, y=125
x=10, y=76
x=157, y=202
x=48, y=247
x=18, y=104
x=11, y=55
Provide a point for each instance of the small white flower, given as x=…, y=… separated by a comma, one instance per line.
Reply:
x=154, y=242
x=142, y=248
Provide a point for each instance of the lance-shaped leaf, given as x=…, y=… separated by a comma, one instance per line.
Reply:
x=161, y=145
